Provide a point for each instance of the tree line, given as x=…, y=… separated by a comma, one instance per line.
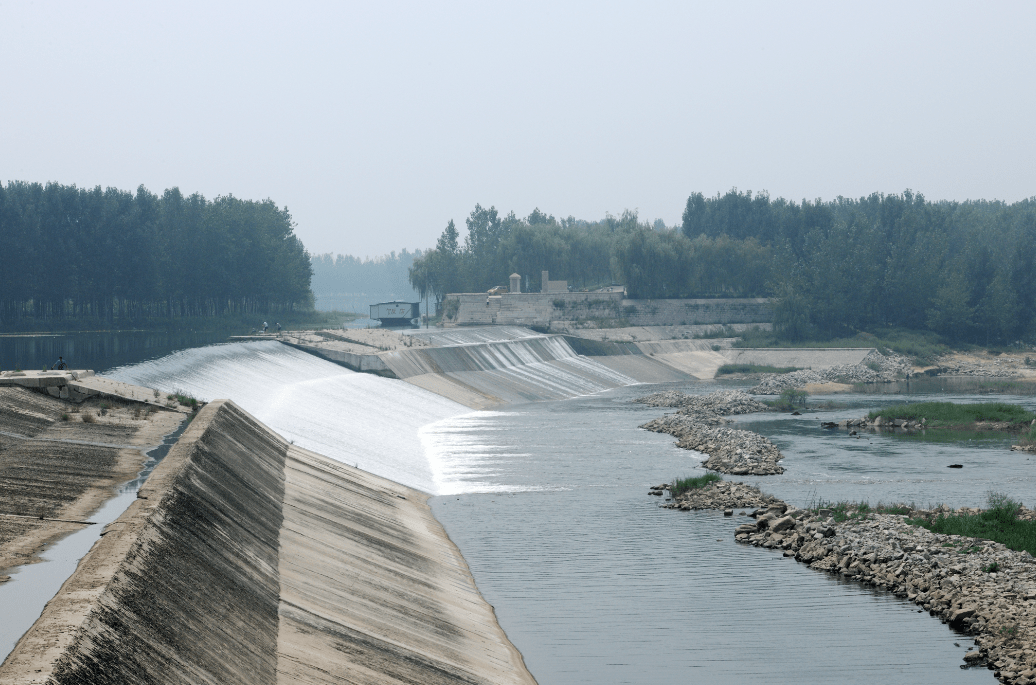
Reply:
x=111, y=255
x=651, y=260
x=964, y=270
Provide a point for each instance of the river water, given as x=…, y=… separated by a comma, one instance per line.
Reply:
x=591, y=580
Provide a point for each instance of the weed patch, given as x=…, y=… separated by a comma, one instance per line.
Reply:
x=682, y=485
x=999, y=523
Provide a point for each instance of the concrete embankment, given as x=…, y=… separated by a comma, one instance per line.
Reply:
x=60, y=461
x=248, y=560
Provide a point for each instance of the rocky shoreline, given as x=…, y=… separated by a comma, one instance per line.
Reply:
x=875, y=368
x=722, y=494
x=977, y=587
x=697, y=426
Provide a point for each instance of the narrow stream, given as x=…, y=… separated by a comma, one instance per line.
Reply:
x=23, y=597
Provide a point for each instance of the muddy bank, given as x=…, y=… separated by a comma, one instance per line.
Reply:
x=60, y=461
x=247, y=560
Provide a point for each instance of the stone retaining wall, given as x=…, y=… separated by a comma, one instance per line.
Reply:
x=540, y=309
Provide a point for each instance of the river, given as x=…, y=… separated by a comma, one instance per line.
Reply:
x=591, y=580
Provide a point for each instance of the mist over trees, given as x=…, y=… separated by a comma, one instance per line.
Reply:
x=964, y=270
x=111, y=255
x=349, y=284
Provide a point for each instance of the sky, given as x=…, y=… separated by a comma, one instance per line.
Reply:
x=376, y=123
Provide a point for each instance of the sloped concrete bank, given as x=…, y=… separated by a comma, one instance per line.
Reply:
x=248, y=560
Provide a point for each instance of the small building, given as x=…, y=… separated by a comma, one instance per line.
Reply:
x=549, y=286
x=396, y=313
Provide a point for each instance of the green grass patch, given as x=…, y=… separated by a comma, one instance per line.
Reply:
x=186, y=399
x=998, y=523
x=682, y=485
x=788, y=400
x=953, y=414
x=753, y=368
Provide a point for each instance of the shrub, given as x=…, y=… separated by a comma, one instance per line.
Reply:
x=89, y=418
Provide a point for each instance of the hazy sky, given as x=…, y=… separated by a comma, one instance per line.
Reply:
x=375, y=123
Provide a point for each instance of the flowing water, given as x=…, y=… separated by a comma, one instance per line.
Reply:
x=592, y=581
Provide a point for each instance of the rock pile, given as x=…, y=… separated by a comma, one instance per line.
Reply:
x=722, y=495
x=737, y=452
x=957, y=367
x=875, y=368
x=976, y=586
x=723, y=402
x=696, y=427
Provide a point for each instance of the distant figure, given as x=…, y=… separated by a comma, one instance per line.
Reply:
x=265, y=326
x=60, y=364
x=487, y=301
x=278, y=324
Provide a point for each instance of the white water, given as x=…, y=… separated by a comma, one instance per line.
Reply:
x=355, y=418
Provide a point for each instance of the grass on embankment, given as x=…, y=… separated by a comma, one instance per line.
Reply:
x=938, y=414
x=753, y=368
x=682, y=485
x=999, y=523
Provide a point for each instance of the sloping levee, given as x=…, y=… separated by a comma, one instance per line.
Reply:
x=805, y=358
x=373, y=591
x=246, y=560
x=521, y=370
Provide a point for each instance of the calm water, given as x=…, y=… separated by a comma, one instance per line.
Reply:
x=98, y=351
x=596, y=584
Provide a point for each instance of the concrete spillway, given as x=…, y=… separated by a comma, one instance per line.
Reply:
x=485, y=374
x=249, y=560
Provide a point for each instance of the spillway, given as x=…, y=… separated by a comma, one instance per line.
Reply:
x=355, y=418
x=484, y=370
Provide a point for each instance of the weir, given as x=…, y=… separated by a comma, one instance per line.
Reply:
x=485, y=374
x=249, y=560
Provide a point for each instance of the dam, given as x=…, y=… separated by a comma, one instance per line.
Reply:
x=590, y=581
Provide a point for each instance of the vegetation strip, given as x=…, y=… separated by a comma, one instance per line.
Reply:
x=728, y=369
x=940, y=414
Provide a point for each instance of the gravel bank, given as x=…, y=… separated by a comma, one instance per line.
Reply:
x=876, y=368
x=977, y=587
x=722, y=495
x=697, y=426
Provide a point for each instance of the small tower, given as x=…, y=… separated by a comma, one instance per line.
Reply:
x=516, y=284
